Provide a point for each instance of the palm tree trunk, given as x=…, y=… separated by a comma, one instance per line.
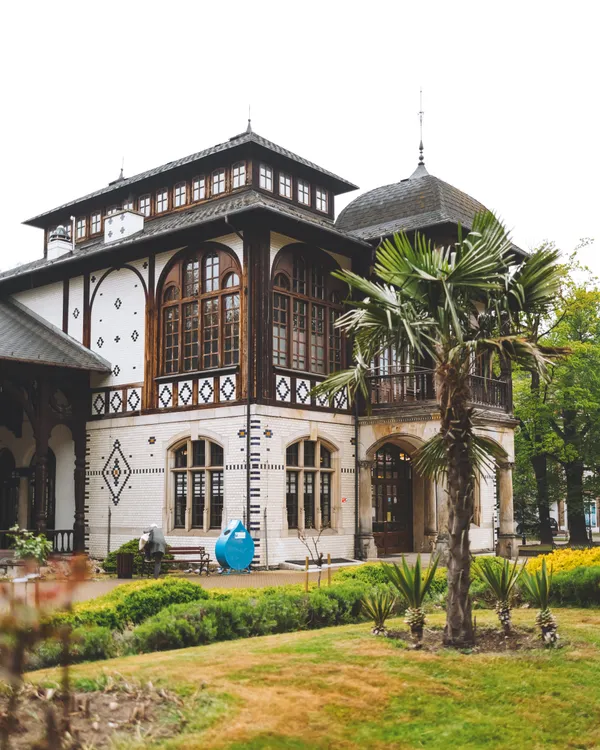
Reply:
x=457, y=432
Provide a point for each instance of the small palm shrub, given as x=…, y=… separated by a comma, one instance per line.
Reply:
x=379, y=605
x=538, y=586
x=414, y=586
x=501, y=579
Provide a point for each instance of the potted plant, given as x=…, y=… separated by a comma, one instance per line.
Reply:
x=32, y=548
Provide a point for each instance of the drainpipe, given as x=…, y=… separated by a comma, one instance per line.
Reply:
x=249, y=371
x=357, y=549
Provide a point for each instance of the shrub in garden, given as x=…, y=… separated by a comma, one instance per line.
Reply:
x=576, y=588
x=379, y=605
x=501, y=579
x=538, y=587
x=413, y=586
x=87, y=644
x=565, y=559
x=371, y=573
x=110, y=561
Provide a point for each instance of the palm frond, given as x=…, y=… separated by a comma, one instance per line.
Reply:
x=500, y=576
x=431, y=460
x=536, y=283
x=410, y=581
x=538, y=585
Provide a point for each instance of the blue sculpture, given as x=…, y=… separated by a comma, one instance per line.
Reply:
x=234, y=549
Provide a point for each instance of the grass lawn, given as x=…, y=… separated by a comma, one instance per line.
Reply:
x=343, y=688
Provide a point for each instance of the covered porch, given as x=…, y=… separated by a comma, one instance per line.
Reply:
x=44, y=387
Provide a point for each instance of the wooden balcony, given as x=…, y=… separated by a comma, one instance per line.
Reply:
x=404, y=388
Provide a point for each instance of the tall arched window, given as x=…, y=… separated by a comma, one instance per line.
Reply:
x=307, y=301
x=200, y=313
x=308, y=485
x=197, y=485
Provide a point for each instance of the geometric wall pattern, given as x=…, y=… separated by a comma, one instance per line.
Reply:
x=297, y=390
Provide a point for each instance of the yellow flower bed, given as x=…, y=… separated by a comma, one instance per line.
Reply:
x=565, y=559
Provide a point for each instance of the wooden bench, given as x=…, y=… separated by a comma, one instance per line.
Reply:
x=193, y=557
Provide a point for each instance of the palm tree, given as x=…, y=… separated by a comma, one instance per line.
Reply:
x=449, y=306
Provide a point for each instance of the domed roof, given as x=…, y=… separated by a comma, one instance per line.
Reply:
x=418, y=202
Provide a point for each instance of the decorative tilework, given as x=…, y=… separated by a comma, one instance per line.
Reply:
x=76, y=313
x=268, y=433
x=135, y=336
x=116, y=472
x=227, y=387
x=116, y=370
x=165, y=395
x=340, y=400
x=283, y=389
x=322, y=400
x=118, y=303
x=98, y=404
x=134, y=399
x=151, y=440
x=184, y=393
x=206, y=391
x=302, y=391
x=115, y=402
x=241, y=433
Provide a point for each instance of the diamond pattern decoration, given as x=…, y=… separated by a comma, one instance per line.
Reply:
x=227, y=388
x=165, y=395
x=135, y=336
x=133, y=399
x=116, y=370
x=303, y=391
x=184, y=393
x=206, y=391
x=283, y=389
x=322, y=400
x=100, y=343
x=340, y=400
x=115, y=402
x=98, y=404
x=118, y=303
x=116, y=472
x=76, y=313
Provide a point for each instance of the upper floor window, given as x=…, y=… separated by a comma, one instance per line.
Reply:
x=265, y=177
x=322, y=200
x=308, y=485
x=238, y=175
x=144, y=206
x=218, y=182
x=80, y=228
x=180, y=194
x=307, y=302
x=197, y=485
x=198, y=189
x=285, y=185
x=303, y=192
x=200, y=313
x=162, y=201
x=128, y=206
x=96, y=223
x=111, y=210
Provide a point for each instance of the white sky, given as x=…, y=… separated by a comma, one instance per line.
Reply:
x=511, y=99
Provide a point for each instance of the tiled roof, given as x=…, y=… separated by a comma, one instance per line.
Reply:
x=26, y=337
x=418, y=202
x=194, y=216
x=231, y=143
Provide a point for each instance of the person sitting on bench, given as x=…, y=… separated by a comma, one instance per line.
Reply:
x=155, y=547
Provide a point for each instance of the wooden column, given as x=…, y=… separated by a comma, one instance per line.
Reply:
x=78, y=430
x=507, y=540
x=42, y=434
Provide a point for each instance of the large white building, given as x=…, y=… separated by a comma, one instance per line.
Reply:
x=157, y=366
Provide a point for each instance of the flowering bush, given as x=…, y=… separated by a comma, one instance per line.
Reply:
x=565, y=559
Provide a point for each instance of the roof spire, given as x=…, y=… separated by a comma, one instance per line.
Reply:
x=249, y=128
x=420, y=171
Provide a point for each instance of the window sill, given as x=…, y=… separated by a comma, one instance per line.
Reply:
x=298, y=373
x=226, y=370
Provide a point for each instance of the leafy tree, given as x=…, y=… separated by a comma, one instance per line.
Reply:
x=449, y=306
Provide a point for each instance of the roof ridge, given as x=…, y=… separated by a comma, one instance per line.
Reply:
x=68, y=340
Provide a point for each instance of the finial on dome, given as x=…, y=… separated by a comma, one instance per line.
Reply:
x=249, y=127
x=421, y=113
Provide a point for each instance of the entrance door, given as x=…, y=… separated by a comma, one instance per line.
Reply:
x=9, y=491
x=392, y=501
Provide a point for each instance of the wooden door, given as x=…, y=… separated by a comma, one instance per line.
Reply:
x=392, y=501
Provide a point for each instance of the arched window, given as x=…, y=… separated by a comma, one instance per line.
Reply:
x=307, y=302
x=197, y=485
x=200, y=327
x=308, y=485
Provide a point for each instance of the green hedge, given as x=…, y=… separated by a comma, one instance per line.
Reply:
x=132, y=603
x=109, y=563
x=579, y=587
x=87, y=644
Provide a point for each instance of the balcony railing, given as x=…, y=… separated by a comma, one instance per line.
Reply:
x=62, y=540
x=399, y=388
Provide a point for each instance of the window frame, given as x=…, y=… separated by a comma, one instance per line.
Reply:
x=213, y=484
x=244, y=176
x=162, y=193
x=283, y=176
x=301, y=472
x=146, y=197
x=217, y=341
x=306, y=185
x=128, y=205
x=293, y=346
x=201, y=180
x=97, y=215
x=175, y=194
x=80, y=228
x=265, y=179
x=220, y=171
x=322, y=196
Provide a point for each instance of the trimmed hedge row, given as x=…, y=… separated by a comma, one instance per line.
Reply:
x=109, y=564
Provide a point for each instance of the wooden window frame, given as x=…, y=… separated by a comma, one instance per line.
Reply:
x=162, y=192
x=316, y=267
x=266, y=168
x=219, y=171
x=282, y=177
x=305, y=184
x=238, y=165
x=175, y=280
x=214, y=477
x=322, y=196
x=112, y=210
x=80, y=221
x=195, y=180
x=148, y=197
x=128, y=205
x=185, y=194
x=300, y=470
x=98, y=215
